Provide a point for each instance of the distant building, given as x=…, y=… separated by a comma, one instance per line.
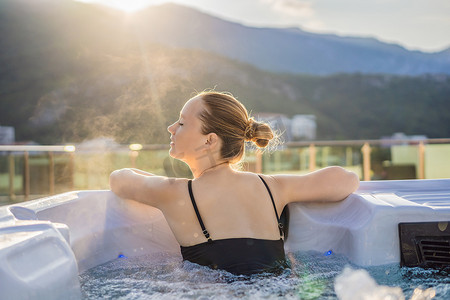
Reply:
x=400, y=136
x=278, y=122
x=300, y=127
x=7, y=135
x=303, y=127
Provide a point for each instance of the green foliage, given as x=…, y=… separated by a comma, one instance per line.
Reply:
x=135, y=96
x=61, y=82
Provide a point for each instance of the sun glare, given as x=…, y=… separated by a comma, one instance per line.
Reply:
x=124, y=5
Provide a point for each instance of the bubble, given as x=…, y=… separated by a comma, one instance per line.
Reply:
x=358, y=284
x=166, y=276
x=419, y=294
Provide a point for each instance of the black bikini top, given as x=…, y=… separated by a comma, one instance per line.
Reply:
x=202, y=225
x=237, y=255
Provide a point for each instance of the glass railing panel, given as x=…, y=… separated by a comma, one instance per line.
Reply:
x=28, y=174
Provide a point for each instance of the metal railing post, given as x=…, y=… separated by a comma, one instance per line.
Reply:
x=72, y=170
x=277, y=161
x=51, y=173
x=26, y=174
x=302, y=159
x=366, y=161
x=325, y=154
x=312, y=157
x=349, y=156
x=421, y=171
x=12, y=174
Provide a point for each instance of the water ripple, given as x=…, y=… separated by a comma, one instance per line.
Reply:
x=312, y=275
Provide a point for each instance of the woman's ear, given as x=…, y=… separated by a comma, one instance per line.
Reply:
x=212, y=140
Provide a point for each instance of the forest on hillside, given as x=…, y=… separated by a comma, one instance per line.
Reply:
x=66, y=80
x=133, y=97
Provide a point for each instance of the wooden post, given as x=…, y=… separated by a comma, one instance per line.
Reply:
x=366, y=161
x=26, y=174
x=51, y=173
x=12, y=174
x=312, y=157
x=421, y=171
x=133, y=155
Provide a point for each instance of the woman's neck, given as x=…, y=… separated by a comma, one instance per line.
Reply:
x=208, y=169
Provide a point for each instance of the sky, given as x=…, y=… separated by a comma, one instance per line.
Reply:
x=422, y=25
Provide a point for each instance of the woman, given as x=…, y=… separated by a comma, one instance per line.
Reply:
x=223, y=218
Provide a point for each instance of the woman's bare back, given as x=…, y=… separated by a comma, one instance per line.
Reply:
x=232, y=205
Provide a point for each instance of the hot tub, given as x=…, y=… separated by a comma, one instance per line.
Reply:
x=46, y=243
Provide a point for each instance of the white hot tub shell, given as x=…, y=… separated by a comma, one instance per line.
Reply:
x=46, y=243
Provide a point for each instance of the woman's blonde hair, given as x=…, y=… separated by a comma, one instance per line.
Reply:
x=225, y=116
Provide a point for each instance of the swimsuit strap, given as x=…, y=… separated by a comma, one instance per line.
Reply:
x=280, y=225
x=191, y=194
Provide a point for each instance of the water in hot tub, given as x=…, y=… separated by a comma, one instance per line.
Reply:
x=312, y=276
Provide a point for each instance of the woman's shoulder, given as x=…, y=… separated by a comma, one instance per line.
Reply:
x=145, y=187
x=167, y=187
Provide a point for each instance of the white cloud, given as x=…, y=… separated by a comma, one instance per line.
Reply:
x=315, y=25
x=296, y=12
x=298, y=8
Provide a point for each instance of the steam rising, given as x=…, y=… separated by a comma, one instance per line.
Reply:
x=110, y=79
x=127, y=98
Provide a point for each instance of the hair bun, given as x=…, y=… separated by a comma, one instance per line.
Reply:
x=258, y=133
x=249, y=130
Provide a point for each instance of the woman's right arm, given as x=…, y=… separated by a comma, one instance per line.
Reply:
x=141, y=186
x=326, y=185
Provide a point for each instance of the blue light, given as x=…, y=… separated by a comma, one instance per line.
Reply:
x=121, y=256
x=328, y=253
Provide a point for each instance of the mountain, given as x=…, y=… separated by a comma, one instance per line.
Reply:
x=72, y=71
x=272, y=49
x=283, y=50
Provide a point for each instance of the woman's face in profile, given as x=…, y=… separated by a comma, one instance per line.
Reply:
x=187, y=140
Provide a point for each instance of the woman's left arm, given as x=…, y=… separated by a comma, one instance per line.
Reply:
x=328, y=184
x=140, y=186
x=137, y=171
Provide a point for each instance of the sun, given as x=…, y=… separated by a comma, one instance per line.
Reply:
x=124, y=5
